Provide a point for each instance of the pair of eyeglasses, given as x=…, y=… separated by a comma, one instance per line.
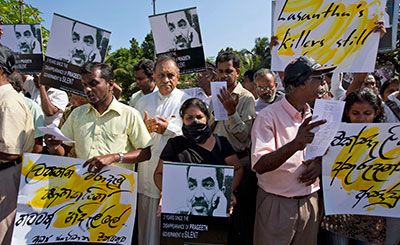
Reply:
x=262, y=89
x=320, y=77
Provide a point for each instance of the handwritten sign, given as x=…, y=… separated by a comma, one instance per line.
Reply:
x=59, y=201
x=361, y=172
x=332, y=32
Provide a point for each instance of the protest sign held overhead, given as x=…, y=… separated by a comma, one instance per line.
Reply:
x=59, y=201
x=177, y=34
x=72, y=44
x=361, y=171
x=26, y=42
x=195, y=203
x=332, y=32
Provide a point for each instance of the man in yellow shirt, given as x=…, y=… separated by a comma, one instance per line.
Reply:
x=105, y=131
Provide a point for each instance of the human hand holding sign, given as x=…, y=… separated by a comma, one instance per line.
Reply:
x=304, y=135
x=96, y=164
x=228, y=100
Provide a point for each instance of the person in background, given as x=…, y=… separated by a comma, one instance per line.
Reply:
x=362, y=106
x=16, y=80
x=53, y=101
x=389, y=87
x=266, y=88
x=16, y=137
x=204, y=79
x=248, y=82
x=144, y=77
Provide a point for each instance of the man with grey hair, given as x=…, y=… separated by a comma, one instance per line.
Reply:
x=160, y=111
x=266, y=88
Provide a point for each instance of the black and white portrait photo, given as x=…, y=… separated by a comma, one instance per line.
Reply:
x=22, y=38
x=176, y=30
x=193, y=189
x=75, y=42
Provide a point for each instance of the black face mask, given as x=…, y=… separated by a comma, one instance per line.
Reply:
x=196, y=132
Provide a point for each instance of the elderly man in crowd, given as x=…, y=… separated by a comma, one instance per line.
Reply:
x=287, y=199
x=266, y=88
x=16, y=137
x=161, y=115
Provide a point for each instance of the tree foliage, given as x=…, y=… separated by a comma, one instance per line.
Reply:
x=123, y=60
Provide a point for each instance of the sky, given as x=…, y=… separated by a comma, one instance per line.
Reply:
x=223, y=23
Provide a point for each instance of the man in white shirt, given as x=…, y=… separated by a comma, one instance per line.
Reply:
x=53, y=101
x=160, y=111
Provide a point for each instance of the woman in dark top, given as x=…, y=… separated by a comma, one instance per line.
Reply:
x=198, y=144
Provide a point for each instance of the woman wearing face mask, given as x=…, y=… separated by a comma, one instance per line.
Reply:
x=198, y=144
x=362, y=106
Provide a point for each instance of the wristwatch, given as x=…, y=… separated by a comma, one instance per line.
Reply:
x=121, y=156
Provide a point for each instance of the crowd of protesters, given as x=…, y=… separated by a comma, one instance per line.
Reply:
x=276, y=195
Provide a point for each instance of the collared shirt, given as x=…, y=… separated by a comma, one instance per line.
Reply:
x=168, y=107
x=119, y=129
x=274, y=127
x=57, y=97
x=37, y=115
x=136, y=96
x=16, y=124
x=238, y=126
x=199, y=94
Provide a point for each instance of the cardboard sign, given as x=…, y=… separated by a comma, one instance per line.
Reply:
x=72, y=44
x=332, y=32
x=177, y=34
x=361, y=171
x=26, y=42
x=59, y=201
x=195, y=203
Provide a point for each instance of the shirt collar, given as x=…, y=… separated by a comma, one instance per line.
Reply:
x=293, y=112
x=166, y=96
x=114, y=106
x=238, y=89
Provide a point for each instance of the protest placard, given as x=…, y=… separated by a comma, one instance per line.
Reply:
x=26, y=42
x=332, y=32
x=361, y=171
x=59, y=201
x=195, y=203
x=177, y=34
x=71, y=44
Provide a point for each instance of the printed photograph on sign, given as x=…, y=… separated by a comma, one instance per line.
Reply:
x=60, y=201
x=75, y=42
x=332, y=32
x=22, y=38
x=176, y=30
x=25, y=40
x=193, y=189
x=177, y=34
x=72, y=44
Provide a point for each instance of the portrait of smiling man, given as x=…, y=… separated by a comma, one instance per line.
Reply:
x=183, y=34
